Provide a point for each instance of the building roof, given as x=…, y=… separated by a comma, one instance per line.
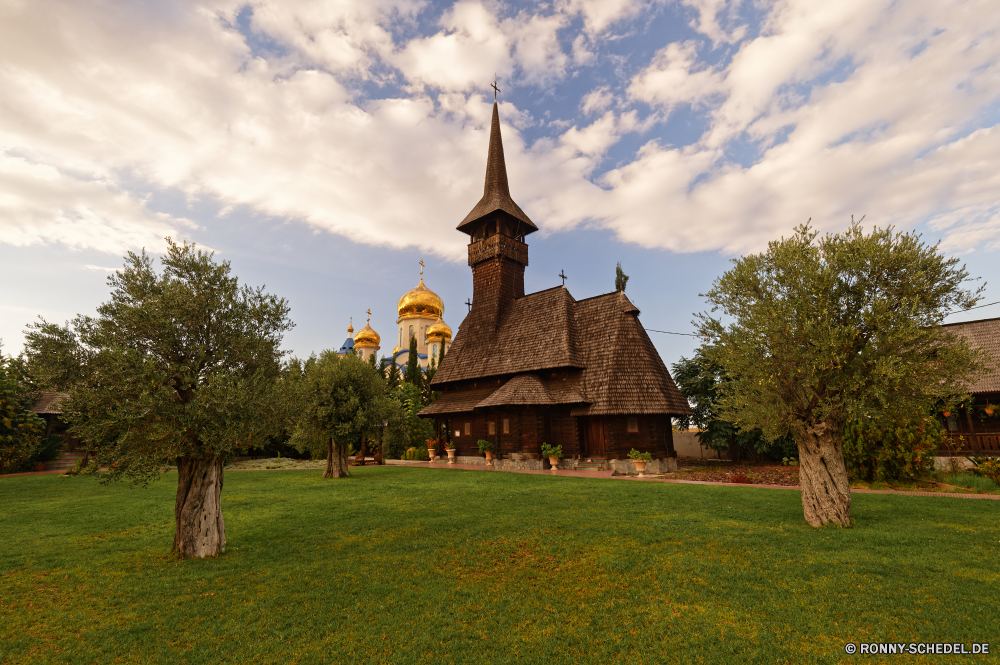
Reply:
x=982, y=334
x=347, y=346
x=496, y=191
x=613, y=365
x=50, y=403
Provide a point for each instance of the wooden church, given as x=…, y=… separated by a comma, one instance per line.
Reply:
x=544, y=367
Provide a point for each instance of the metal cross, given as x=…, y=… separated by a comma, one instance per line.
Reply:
x=495, y=88
x=369, y=315
x=421, y=269
x=469, y=303
x=562, y=273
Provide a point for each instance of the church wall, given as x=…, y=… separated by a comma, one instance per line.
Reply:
x=565, y=432
x=655, y=436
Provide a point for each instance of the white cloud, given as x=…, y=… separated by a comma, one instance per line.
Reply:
x=597, y=100
x=675, y=77
x=596, y=138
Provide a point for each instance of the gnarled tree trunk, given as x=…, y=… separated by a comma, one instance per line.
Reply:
x=826, y=492
x=200, y=531
x=336, y=460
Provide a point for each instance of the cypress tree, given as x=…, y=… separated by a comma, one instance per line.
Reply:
x=413, y=374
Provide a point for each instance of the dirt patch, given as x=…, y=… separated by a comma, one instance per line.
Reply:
x=723, y=471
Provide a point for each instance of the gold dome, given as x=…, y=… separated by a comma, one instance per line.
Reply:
x=420, y=302
x=366, y=337
x=438, y=331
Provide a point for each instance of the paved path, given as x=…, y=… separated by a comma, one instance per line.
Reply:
x=609, y=474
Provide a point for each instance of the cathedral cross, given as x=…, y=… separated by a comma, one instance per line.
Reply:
x=369, y=315
x=495, y=88
x=421, y=270
x=469, y=303
x=562, y=273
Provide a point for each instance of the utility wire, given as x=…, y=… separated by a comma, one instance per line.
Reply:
x=958, y=311
x=666, y=332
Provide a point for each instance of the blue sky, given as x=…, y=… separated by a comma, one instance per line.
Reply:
x=325, y=148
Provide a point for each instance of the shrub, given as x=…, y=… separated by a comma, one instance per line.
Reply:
x=891, y=449
x=640, y=457
x=740, y=478
x=485, y=445
x=415, y=453
x=552, y=451
x=986, y=467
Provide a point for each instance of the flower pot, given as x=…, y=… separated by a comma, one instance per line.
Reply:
x=430, y=453
x=989, y=412
x=451, y=455
x=489, y=457
x=946, y=414
x=640, y=466
x=554, y=461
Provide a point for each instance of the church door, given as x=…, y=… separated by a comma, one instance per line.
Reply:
x=595, y=447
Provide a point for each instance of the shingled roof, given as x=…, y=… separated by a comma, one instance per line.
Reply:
x=982, y=334
x=496, y=191
x=50, y=403
x=620, y=370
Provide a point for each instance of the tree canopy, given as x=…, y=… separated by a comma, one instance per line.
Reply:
x=180, y=366
x=823, y=330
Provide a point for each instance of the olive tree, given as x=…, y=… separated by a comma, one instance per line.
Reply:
x=825, y=330
x=179, y=367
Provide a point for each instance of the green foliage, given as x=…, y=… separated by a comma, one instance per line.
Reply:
x=20, y=429
x=986, y=467
x=836, y=329
x=416, y=453
x=640, y=457
x=53, y=355
x=340, y=398
x=891, y=447
x=183, y=363
x=700, y=380
x=552, y=451
x=392, y=375
x=485, y=445
x=411, y=402
x=621, y=279
x=413, y=374
x=789, y=461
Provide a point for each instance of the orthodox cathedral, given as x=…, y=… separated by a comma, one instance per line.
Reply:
x=419, y=313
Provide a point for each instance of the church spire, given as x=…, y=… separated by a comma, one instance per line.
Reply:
x=496, y=190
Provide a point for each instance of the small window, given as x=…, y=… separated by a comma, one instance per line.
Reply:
x=468, y=429
x=506, y=425
x=952, y=424
x=457, y=433
x=633, y=425
x=411, y=332
x=491, y=428
x=434, y=352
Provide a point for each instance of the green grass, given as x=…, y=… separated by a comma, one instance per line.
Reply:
x=423, y=566
x=971, y=481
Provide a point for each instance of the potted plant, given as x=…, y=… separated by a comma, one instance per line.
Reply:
x=451, y=452
x=487, y=448
x=431, y=448
x=554, y=453
x=640, y=460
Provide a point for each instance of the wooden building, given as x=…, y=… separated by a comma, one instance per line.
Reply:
x=524, y=370
x=975, y=428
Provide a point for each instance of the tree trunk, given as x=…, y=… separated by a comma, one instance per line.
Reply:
x=336, y=460
x=826, y=492
x=200, y=531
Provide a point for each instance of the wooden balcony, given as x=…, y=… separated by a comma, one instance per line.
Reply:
x=964, y=443
x=498, y=245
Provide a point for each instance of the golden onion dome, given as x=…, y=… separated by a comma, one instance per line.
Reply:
x=350, y=327
x=420, y=302
x=438, y=330
x=366, y=337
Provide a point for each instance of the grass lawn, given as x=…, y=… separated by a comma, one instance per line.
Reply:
x=418, y=565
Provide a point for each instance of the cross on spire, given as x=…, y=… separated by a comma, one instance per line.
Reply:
x=469, y=303
x=369, y=315
x=562, y=273
x=495, y=88
x=421, y=270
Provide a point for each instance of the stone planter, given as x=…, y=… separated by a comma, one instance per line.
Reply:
x=489, y=457
x=451, y=455
x=554, y=461
x=430, y=453
x=640, y=466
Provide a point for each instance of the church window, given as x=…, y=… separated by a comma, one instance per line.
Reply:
x=506, y=425
x=435, y=351
x=491, y=428
x=401, y=335
x=411, y=332
x=468, y=429
x=633, y=425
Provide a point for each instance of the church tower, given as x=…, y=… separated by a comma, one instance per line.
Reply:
x=497, y=251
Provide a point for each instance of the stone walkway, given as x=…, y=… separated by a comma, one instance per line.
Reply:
x=608, y=474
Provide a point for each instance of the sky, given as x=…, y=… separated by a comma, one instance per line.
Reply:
x=325, y=147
